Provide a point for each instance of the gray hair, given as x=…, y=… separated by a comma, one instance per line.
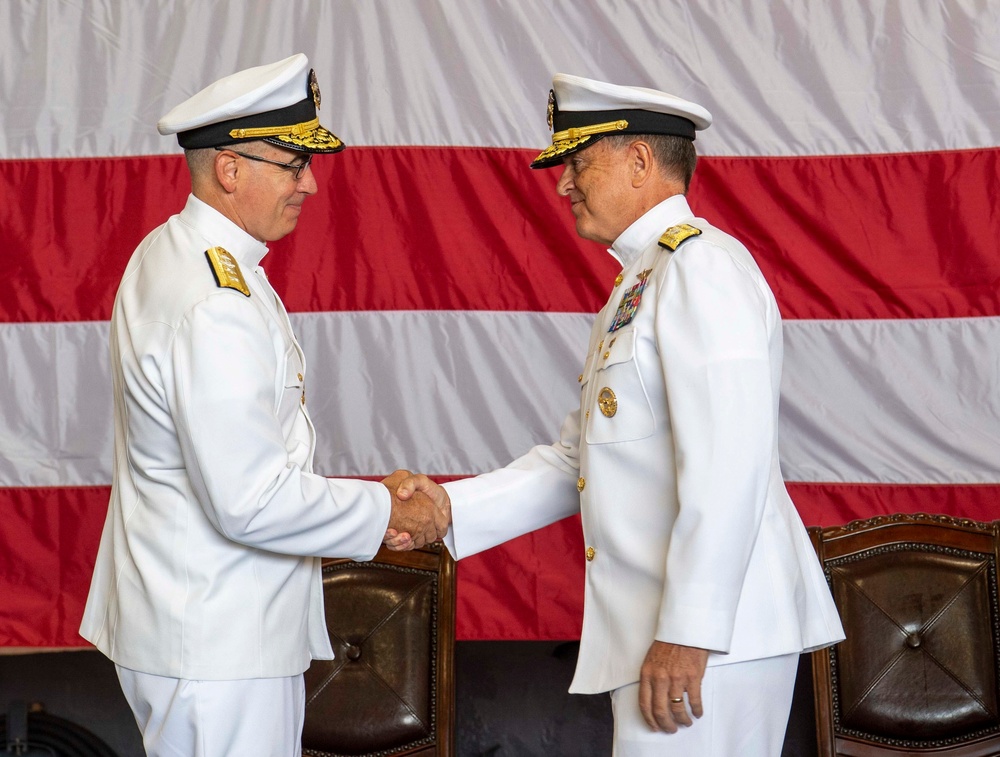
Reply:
x=201, y=161
x=675, y=156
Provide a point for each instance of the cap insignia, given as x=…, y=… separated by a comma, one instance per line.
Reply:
x=314, y=87
x=551, y=109
x=673, y=236
x=226, y=270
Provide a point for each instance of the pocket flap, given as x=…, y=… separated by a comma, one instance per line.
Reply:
x=619, y=347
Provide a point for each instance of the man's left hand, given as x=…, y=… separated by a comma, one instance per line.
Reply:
x=669, y=672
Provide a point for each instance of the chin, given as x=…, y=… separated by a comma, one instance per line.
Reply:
x=277, y=234
x=584, y=233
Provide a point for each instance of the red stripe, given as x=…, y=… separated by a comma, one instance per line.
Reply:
x=887, y=236
x=873, y=236
x=532, y=587
x=48, y=543
x=72, y=228
x=529, y=588
x=836, y=504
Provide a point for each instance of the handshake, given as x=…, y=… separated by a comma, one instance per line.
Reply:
x=421, y=511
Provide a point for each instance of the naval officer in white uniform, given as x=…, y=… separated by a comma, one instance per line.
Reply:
x=702, y=588
x=206, y=593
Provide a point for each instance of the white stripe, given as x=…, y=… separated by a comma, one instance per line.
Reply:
x=788, y=77
x=437, y=391
x=464, y=392
x=892, y=401
x=445, y=391
x=55, y=411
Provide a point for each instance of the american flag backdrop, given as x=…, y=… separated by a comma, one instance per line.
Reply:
x=437, y=285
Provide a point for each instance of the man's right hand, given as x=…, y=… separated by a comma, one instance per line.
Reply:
x=418, y=515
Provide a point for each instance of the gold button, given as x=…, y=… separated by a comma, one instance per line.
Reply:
x=619, y=279
x=608, y=402
x=607, y=354
x=591, y=554
x=580, y=483
x=300, y=376
x=303, y=398
x=587, y=414
x=579, y=379
x=612, y=342
x=600, y=346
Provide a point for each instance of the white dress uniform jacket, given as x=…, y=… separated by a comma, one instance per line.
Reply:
x=200, y=572
x=691, y=537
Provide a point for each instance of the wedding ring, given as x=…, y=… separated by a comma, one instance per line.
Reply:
x=676, y=700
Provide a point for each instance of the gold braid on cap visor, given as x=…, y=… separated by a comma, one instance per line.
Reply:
x=275, y=131
x=308, y=134
x=575, y=136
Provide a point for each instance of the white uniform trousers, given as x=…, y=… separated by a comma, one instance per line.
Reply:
x=746, y=713
x=180, y=718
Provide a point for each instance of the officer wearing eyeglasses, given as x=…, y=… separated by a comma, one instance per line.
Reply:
x=205, y=593
x=297, y=169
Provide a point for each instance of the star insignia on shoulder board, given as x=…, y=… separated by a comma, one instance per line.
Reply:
x=672, y=237
x=226, y=270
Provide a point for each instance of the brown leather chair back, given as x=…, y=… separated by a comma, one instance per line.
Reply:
x=918, y=673
x=390, y=690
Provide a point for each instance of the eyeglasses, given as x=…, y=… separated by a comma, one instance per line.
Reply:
x=297, y=168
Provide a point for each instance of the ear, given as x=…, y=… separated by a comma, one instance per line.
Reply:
x=227, y=170
x=641, y=160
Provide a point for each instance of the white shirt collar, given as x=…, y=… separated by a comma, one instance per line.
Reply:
x=645, y=230
x=223, y=233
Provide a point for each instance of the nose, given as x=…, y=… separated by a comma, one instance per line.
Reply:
x=307, y=182
x=565, y=182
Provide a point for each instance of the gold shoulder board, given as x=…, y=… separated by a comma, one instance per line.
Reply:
x=673, y=236
x=226, y=270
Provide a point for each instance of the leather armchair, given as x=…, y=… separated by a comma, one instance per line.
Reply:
x=390, y=690
x=918, y=673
